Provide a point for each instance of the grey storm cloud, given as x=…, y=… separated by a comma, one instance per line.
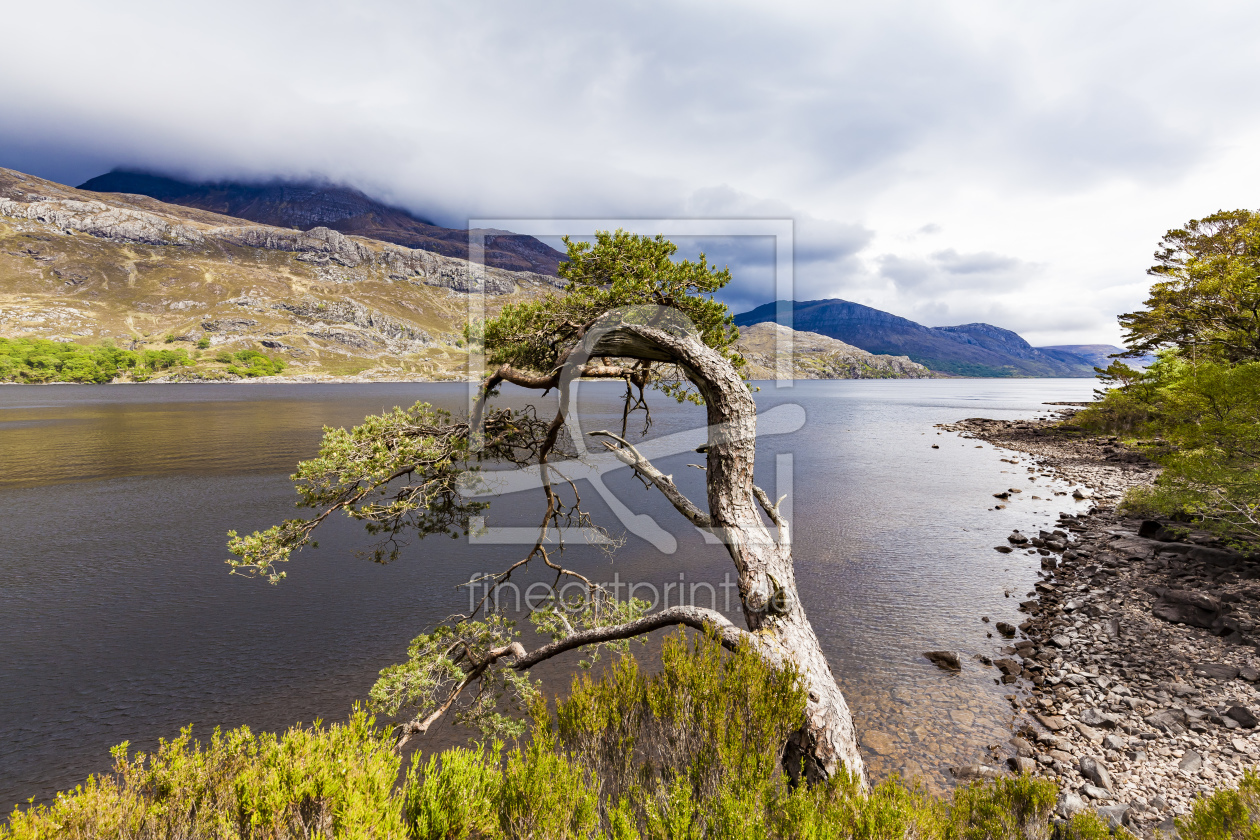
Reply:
x=949, y=270
x=992, y=128
x=983, y=263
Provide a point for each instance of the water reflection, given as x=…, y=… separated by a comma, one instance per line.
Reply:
x=118, y=620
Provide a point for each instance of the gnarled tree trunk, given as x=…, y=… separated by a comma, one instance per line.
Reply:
x=767, y=578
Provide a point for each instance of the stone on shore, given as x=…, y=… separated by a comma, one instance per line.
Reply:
x=1138, y=655
x=1095, y=772
x=1243, y=717
x=971, y=772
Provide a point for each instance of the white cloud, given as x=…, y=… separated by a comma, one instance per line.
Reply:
x=1064, y=137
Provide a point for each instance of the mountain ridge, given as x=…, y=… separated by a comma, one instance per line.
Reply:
x=88, y=267
x=305, y=205
x=965, y=350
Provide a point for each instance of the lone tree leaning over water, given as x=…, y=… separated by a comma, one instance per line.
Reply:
x=628, y=313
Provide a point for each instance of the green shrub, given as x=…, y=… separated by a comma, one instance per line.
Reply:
x=1201, y=422
x=1226, y=814
x=203, y=343
x=165, y=359
x=251, y=363
x=702, y=745
x=629, y=729
x=42, y=360
x=1017, y=807
x=543, y=794
x=454, y=795
x=308, y=782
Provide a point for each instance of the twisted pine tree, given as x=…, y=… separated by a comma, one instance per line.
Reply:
x=629, y=312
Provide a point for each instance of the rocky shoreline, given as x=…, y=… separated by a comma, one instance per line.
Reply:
x=1135, y=674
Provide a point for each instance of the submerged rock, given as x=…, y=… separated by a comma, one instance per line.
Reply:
x=945, y=659
x=969, y=772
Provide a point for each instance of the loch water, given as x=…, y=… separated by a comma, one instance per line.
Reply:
x=120, y=622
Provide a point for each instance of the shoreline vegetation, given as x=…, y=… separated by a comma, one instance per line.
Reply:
x=31, y=361
x=678, y=754
x=1140, y=651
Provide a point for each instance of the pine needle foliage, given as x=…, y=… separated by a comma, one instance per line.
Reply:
x=1205, y=302
x=407, y=471
x=616, y=271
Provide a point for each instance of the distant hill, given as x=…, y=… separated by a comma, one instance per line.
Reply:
x=965, y=350
x=816, y=356
x=305, y=205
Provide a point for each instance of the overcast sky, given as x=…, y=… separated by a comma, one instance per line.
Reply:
x=1013, y=162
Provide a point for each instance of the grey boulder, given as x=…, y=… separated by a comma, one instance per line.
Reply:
x=1095, y=772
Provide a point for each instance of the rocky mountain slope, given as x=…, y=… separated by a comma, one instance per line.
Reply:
x=88, y=266
x=307, y=205
x=816, y=356
x=966, y=350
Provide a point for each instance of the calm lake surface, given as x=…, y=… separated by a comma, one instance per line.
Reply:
x=119, y=620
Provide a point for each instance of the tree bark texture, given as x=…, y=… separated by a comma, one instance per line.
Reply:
x=827, y=743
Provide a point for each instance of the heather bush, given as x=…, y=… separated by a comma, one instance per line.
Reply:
x=693, y=751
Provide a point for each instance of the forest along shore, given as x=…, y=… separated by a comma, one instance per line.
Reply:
x=1139, y=655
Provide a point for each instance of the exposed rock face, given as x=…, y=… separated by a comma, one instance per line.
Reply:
x=306, y=205
x=968, y=350
x=116, y=224
x=133, y=270
x=319, y=245
x=351, y=312
x=819, y=357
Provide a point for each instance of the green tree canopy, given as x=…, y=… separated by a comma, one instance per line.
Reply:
x=618, y=270
x=1198, y=406
x=1206, y=301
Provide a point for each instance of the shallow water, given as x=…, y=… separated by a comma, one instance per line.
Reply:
x=119, y=621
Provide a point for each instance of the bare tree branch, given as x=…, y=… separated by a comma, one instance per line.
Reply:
x=631, y=457
x=697, y=618
x=772, y=510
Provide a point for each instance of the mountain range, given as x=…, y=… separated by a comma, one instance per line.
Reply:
x=964, y=350
x=147, y=260
x=304, y=205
